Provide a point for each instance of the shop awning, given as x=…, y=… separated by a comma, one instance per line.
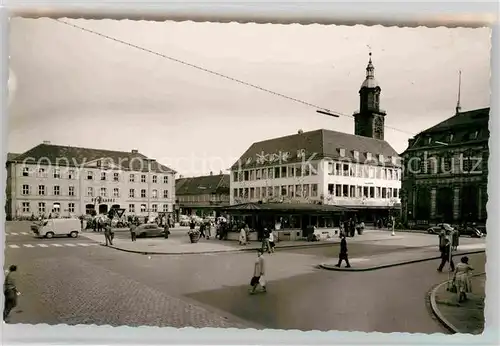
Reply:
x=287, y=207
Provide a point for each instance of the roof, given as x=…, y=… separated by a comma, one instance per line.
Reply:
x=466, y=127
x=462, y=119
x=287, y=207
x=315, y=145
x=12, y=156
x=208, y=184
x=59, y=155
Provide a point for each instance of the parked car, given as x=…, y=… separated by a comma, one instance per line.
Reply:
x=149, y=230
x=437, y=229
x=470, y=231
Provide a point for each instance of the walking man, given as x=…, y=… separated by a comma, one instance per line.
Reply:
x=108, y=234
x=446, y=256
x=133, y=234
x=10, y=292
x=258, y=273
x=343, y=253
x=265, y=241
x=166, y=229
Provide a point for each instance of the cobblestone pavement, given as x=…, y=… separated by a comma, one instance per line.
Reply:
x=468, y=316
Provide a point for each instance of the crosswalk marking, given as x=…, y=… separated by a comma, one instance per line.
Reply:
x=13, y=233
x=31, y=246
x=24, y=233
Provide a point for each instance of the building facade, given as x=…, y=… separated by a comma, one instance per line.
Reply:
x=446, y=171
x=203, y=195
x=359, y=171
x=61, y=180
x=322, y=167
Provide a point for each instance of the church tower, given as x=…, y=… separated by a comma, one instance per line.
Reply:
x=369, y=120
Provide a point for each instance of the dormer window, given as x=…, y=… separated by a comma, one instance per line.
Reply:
x=368, y=156
x=429, y=140
x=356, y=155
x=380, y=158
x=473, y=135
x=342, y=152
x=450, y=137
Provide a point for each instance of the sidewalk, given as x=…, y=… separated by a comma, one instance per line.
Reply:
x=466, y=317
x=411, y=255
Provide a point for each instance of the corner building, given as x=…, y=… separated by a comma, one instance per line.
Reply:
x=360, y=171
x=65, y=180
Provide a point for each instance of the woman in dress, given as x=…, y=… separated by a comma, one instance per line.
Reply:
x=462, y=278
x=243, y=236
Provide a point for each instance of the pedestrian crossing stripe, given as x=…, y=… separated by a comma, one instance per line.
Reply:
x=31, y=246
x=17, y=233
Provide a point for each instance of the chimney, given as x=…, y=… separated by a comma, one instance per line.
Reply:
x=211, y=173
x=46, y=142
x=220, y=172
x=135, y=151
x=300, y=131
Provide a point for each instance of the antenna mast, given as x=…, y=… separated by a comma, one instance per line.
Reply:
x=458, y=108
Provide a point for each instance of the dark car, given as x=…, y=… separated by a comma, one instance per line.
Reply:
x=470, y=231
x=149, y=230
x=437, y=229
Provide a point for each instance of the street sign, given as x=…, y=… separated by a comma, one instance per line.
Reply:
x=119, y=212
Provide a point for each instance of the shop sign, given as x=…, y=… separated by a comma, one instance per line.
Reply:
x=102, y=200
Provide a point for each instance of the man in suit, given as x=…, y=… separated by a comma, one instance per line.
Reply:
x=446, y=256
x=343, y=253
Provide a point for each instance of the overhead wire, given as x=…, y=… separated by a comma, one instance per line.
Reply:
x=323, y=110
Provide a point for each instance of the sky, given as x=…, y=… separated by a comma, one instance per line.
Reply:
x=71, y=87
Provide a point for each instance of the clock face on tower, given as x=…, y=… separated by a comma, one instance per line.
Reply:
x=378, y=127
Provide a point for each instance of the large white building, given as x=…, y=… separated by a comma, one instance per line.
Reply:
x=64, y=180
x=321, y=166
x=360, y=171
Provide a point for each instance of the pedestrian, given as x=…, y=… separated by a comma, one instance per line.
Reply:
x=202, y=230
x=446, y=257
x=108, y=234
x=133, y=233
x=455, y=236
x=243, y=236
x=209, y=229
x=352, y=227
x=272, y=245
x=265, y=241
x=343, y=256
x=166, y=229
x=10, y=292
x=258, y=273
x=461, y=279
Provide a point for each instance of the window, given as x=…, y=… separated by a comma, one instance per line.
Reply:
x=143, y=208
x=235, y=176
x=395, y=193
x=71, y=191
x=165, y=208
x=314, y=190
x=154, y=208
x=90, y=175
x=270, y=174
x=71, y=207
x=473, y=135
x=276, y=172
x=450, y=137
x=131, y=178
x=338, y=190
x=26, y=172
x=116, y=192
x=131, y=193
x=143, y=178
x=246, y=175
x=26, y=189
x=154, y=194
x=330, y=168
x=264, y=173
x=56, y=207
x=384, y=192
x=42, y=173
x=283, y=190
x=57, y=190
x=165, y=179
x=291, y=171
x=26, y=207
x=90, y=191
x=131, y=208
x=116, y=176
x=258, y=174
x=103, y=192
x=283, y=172
x=41, y=190
x=103, y=175
x=235, y=192
x=41, y=207
x=57, y=173
x=71, y=174
x=155, y=179
x=305, y=190
x=165, y=193
x=143, y=193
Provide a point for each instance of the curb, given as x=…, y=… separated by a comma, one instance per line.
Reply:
x=216, y=251
x=383, y=266
x=435, y=310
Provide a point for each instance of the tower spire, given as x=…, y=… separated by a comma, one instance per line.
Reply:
x=458, y=108
x=370, y=70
